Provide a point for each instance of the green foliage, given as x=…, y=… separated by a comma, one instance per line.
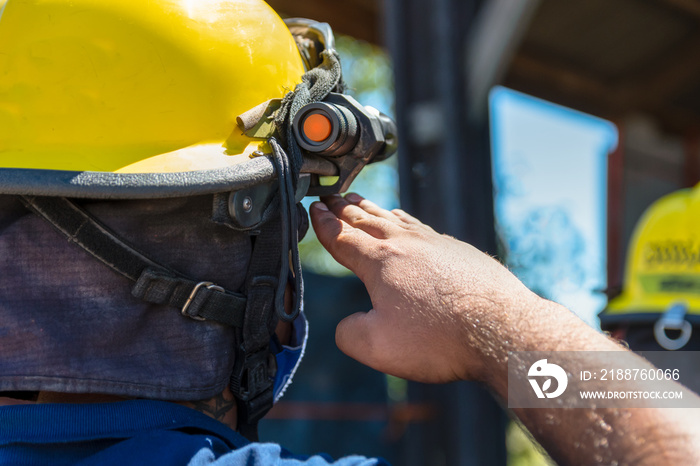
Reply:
x=397, y=389
x=523, y=450
x=367, y=72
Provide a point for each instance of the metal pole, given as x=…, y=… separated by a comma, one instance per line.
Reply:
x=445, y=180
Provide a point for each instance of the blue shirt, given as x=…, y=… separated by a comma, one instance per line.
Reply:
x=135, y=432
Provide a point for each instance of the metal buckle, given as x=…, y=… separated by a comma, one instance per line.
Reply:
x=302, y=28
x=209, y=286
x=673, y=319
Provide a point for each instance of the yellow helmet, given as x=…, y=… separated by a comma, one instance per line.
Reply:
x=126, y=86
x=662, y=275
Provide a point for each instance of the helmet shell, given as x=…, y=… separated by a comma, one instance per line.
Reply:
x=127, y=86
x=663, y=261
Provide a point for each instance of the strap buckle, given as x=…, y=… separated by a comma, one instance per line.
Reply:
x=252, y=383
x=197, y=287
x=673, y=319
x=312, y=37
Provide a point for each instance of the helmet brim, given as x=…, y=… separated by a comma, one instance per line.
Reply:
x=110, y=185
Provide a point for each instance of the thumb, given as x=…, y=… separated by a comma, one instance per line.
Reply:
x=355, y=336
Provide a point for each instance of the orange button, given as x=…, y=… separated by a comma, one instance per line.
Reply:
x=317, y=127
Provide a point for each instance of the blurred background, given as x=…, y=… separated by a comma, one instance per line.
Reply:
x=537, y=130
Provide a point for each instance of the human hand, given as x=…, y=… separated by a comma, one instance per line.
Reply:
x=445, y=311
x=440, y=305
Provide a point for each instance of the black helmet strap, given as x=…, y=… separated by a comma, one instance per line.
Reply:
x=153, y=282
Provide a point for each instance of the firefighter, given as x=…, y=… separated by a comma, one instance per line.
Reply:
x=152, y=160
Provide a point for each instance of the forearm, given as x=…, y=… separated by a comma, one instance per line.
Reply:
x=594, y=435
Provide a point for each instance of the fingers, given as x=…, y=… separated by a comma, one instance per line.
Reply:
x=358, y=217
x=372, y=208
x=352, y=230
x=347, y=245
x=397, y=216
x=406, y=218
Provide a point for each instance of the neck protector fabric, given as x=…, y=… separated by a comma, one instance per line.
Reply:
x=70, y=324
